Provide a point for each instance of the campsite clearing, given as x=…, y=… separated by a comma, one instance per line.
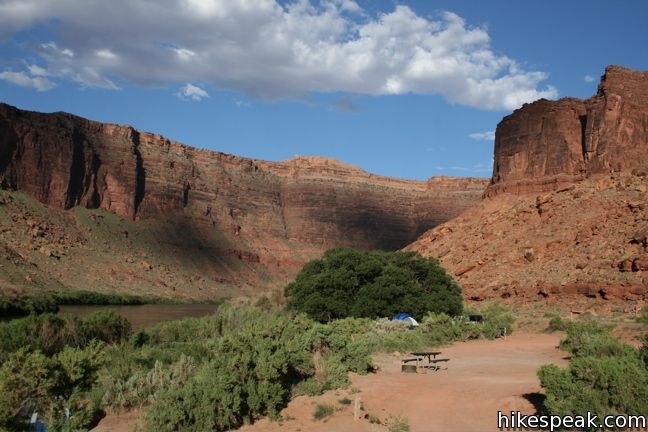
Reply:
x=486, y=376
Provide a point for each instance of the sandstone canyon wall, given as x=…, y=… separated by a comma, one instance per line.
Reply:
x=221, y=220
x=566, y=212
x=546, y=144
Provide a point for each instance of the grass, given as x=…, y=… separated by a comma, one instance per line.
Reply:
x=322, y=411
x=398, y=424
x=345, y=401
x=373, y=419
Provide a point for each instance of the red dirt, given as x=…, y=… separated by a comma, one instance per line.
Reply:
x=482, y=377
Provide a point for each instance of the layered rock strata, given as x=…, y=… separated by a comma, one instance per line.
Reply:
x=242, y=221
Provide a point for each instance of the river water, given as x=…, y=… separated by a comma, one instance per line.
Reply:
x=146, y=315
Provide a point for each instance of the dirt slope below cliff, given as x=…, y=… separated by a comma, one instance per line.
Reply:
x=586, y=239
x=106, y=207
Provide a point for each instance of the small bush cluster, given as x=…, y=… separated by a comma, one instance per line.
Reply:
x=323, y=411
x=605, y=376
x=556, y=323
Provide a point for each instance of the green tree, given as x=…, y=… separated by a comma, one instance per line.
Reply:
x=349, y=283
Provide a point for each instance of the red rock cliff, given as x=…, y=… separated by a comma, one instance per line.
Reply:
x=212, y=206
x=546, y=144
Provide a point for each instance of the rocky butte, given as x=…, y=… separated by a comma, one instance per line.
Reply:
x=566, y=211
x=132, y=211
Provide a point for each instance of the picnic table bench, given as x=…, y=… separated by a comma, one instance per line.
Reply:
x=432, y=363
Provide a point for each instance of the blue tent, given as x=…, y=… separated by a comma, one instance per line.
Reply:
x=409, y=319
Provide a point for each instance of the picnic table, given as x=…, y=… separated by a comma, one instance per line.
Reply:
x=429, y=354
x=432, y=363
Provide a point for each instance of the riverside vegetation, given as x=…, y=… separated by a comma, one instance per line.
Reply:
x=211, y=373
x=50, y=301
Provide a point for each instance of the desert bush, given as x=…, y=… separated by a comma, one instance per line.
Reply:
x=257, y=360
x=590, y=338
x=605, y=376
x=106, y=326
x=51, y=333
x=556, y=323
x=497, y=321
x=601, y=385
x=30, y=380
x=323, y=411
x=248, y=376
x=398, y=424
x=140, y=388
x=348, y=283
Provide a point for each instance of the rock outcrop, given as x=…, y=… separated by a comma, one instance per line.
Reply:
x=237, y=221
x=547, y=144
x=565, y=215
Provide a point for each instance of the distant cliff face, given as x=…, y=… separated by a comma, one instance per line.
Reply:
x=272, y=216
x=546, y=144
x=565, y=215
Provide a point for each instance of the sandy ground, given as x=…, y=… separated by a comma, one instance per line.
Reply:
x=482, y=378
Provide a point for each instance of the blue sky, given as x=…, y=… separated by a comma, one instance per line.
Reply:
x=409, y=89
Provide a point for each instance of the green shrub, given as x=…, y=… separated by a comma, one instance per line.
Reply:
x=51, y=333
x=556, y=323
x=30, y=380
x=141, y=388
x=106, y=326
x=601, y=385
x=323, y=411
x=497, y=321
x=605, y=376
x=348, y=283
x=249, y=375
x=587, y=337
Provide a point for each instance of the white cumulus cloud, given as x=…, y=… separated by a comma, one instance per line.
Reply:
x=589, y=78
x=192, y=92
x=483, y=136
x=273, y=50
x=38, y=82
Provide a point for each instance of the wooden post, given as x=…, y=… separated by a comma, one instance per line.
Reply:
x=356, y=409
